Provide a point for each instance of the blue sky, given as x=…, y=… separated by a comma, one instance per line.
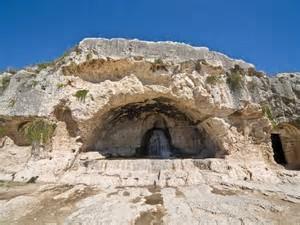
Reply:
x=263, y=32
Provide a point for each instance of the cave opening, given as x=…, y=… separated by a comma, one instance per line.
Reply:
x=279, y=156
x=156, y=143
x=155, y=128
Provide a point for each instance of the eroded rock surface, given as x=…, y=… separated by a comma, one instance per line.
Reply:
x=226, y=202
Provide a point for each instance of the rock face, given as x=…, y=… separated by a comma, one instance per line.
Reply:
x=120, y=113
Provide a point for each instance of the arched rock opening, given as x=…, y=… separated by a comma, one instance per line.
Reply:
x=156, y=143
x=279, y=155
x=155, y=128
x=286, y=138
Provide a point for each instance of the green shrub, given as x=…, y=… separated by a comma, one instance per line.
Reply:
x=268, y=113
x=34, y=83
x=59, y=61
x=81, y=95
x=2, y=131
x=234, y=80
x=38, y=131
x=213, y=79
x=43, y=65
x=75, y=49
x=60, y=85
x=4, y=82
x=11, y=184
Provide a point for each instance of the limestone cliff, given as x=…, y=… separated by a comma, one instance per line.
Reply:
x=133, y=132
x=115, y=98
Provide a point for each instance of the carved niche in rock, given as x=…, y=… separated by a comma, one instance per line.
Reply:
x=154, y=128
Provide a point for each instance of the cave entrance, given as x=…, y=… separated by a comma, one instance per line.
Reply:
x=156, y=144
x=155, y=128
x=279, y=156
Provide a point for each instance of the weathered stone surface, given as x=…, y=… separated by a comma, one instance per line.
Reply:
x=226, y=202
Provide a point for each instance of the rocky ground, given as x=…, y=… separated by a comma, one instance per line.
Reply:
x=226, y=202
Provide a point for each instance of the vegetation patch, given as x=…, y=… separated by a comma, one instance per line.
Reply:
x=81, y=95
x=268, y=113
x=42, y=66
x=34, y=83
x=235, y=78
x=213, y=79
x=59, y=60
x=10, y=184
x=38, y=131
x=4, y=83
x=60, y=85
x=2, y=131
x=76, y=69
x=75, y=49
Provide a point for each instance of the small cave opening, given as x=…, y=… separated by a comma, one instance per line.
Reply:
x=156, y=144
x=155, y=128
x=279, y=156
x=157, y=141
